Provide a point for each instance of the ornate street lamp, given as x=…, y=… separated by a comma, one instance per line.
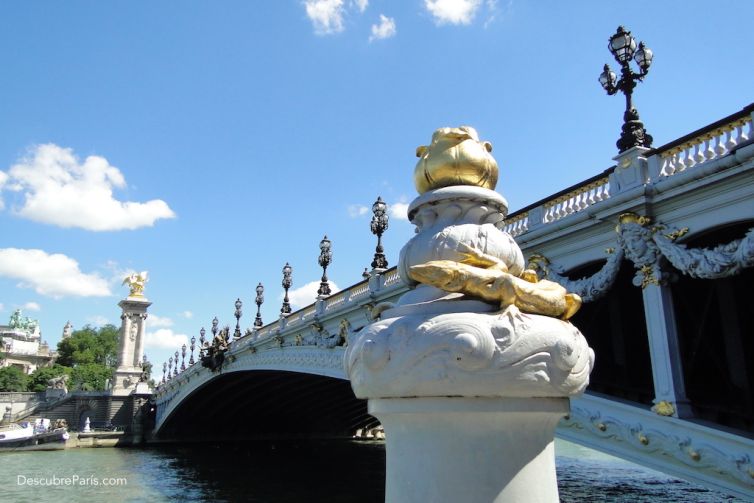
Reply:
x=259, y=300
x=183, y=358
x=202, y=340
x=379, y=226
x=170, y=368
x=623, y=47
x=164, y=369
x=175, y=369
x=193, y=344
x=325, y=259
x=287, y=283
x=237, y=314
x=215, y=322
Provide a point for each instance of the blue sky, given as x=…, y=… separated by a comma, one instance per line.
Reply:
x=210, y=142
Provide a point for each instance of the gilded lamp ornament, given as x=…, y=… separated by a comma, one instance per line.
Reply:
x=455, y=156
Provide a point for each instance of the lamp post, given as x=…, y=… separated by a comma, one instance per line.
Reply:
x=183, y=358
x=325, y=259
x=215, y=322
x=170, y=368
x=164, y=369
x=378, y=227
x=237, y=314
x=287, y=283
x=193, y=344
x=623, y=47
x=259, y=300
x=202, y=340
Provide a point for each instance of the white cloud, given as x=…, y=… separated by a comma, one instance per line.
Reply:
x=54, y=275
x=385, y=29
x=325, y=15
x=3, y=179
x=357, y=210
x=306, y=294
x=165, y=338
x=399, y=211
x=57, y=189
x=187, y=314
x=452, y=11
x=31, y=306
x=158, y=321
x=97, y=320
x=361, y=4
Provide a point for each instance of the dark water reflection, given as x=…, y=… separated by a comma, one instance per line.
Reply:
x=298, y=471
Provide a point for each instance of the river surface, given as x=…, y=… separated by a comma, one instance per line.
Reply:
x=291, y=471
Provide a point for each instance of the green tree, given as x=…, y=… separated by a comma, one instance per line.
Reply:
x=38, y=380
x=91, y=353
x=91, y=376
x=90, y=345
x=13, y=379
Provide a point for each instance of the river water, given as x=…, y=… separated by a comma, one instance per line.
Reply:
x=290, y=471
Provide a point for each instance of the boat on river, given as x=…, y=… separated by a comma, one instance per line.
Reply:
x=32, y=436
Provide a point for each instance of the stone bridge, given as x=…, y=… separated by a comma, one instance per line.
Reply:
x=660, y=246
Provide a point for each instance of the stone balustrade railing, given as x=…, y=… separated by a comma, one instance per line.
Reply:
x=709, y=143
x=299, y=324
x=576, y=200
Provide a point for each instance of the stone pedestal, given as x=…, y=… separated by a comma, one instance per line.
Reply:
x=447, y=450
x=468, y=391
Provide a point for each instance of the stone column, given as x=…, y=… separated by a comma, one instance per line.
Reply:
x=131, y=343
x=667, y=367
x=469, y=390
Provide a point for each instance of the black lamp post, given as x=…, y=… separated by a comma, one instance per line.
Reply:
x=623, y=47
x=202, y=340
x=379, y=226
x=183, y=358
x=325, y=259
x=237, y=314
x=164, y=369
x=215, y=322
x=193, y=344
x=170, y=368
x=259, y=300
x=175, y=369
x=287, y=283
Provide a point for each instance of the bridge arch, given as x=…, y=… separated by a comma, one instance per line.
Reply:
x=290, y=390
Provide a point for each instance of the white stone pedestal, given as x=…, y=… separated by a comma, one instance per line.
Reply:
x=469, y=392
x=449, y=450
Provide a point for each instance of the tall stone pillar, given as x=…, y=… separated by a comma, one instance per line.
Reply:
x=471, y=370
x=131, y=336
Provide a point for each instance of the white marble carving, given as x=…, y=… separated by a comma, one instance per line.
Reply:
x=709, y=263
x=590, y=288
x=635, y=238
x=508, y=354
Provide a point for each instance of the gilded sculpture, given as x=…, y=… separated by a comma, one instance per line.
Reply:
x=136, y=282
x=455, y=156
x=487, y=267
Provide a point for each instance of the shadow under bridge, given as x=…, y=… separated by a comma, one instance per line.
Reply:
x=268, y=404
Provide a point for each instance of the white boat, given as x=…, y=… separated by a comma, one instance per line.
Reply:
x=28, y=436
